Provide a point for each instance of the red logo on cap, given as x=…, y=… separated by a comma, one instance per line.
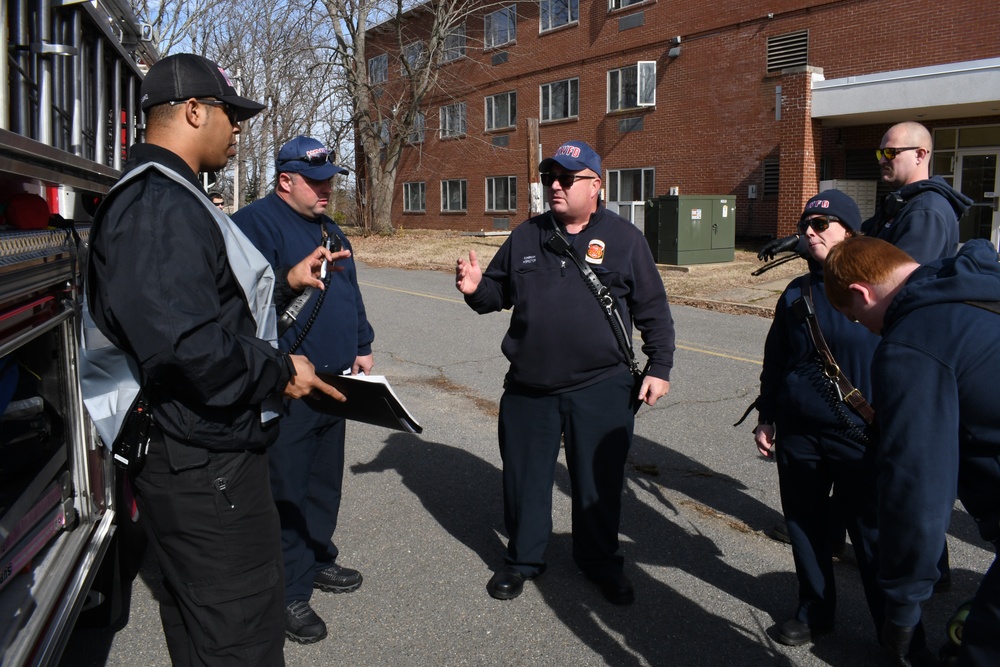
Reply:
x=819, y=203
x=572, y=151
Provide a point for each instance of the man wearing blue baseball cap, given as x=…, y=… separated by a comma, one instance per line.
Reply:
x=570, y=377
x=307, y=461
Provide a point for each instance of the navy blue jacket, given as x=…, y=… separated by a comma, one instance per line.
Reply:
x=161, y=289
x=935, y=377
x=792, y=391
x=925, y=224
x=341, y=331
x=559, y=338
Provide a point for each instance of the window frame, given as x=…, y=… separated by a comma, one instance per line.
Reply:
x=614, y=5
x=422, y=196
x=613, y=185
x=490, y=33
x=447, y=55
x=545, y=110
x=491, y=194
x=490, y=119
x=645, y=86
x=447, y=184
x=418, y=133
x=545, y=11
x=411, y=59
x=446, y=131
x=383, y=68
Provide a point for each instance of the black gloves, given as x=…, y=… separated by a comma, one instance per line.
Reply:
x=772, y=248
x=897, y=640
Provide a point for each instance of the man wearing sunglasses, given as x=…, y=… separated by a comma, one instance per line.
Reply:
x=307, y=460
x=568, y=378
x=177, y=289
x=921, y=215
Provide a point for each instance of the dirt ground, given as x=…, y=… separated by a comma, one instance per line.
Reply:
x=438, y=250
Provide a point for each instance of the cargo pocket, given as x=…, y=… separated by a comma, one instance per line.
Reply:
x=217, y=591
x=241, y=615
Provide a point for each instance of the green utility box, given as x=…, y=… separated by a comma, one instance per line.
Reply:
x=691, y=229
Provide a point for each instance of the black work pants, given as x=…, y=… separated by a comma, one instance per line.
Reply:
x=810, y=464
x=214, y=530
x=596, y=423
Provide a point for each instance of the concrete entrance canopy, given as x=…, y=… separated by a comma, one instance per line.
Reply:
x=953, y=90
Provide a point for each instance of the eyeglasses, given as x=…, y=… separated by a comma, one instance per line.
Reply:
x=226, y=109
x=891, y=153
x=819, y=224
x=565, y=180
x=315, y=158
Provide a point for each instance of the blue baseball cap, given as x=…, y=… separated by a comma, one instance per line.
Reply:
x=836, y=204
x=309, y=157
x=574, y=156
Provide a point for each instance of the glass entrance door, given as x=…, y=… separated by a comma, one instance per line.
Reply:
x=976, y=177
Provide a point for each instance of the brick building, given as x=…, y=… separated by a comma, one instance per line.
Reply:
x=757, y=100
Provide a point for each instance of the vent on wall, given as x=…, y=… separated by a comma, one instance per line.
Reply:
x=789, y=50
x=772, y=169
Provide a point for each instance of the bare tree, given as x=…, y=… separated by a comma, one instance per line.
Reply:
x=278, y=54
x=386, y=114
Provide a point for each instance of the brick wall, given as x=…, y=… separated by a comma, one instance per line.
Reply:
x=715, y=117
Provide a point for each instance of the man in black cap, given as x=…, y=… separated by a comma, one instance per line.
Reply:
x=307, y=461
x=183, y=294
x=569, y=379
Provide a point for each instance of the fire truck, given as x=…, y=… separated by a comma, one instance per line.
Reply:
x=69, y=109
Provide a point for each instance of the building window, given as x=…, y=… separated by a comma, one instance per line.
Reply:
x=560, y=100
x=790, y=50
x=633, y=86
x=454, y=44
x=412, y=58
x=628, y=190
x=453, y=120
x=416, y=135
x=501, y=111
x=618, y=4
x=414, y=197
x=772, y=169
x=501, y=193
x=453, y=195
x=378, y=69
x=500, y=27
x=556, y=13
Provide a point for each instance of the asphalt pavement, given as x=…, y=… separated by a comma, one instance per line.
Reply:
x=422, y=519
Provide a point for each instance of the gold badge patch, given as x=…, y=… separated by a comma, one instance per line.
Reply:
x=595, y=251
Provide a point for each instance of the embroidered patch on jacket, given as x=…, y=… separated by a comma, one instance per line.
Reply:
x=595, y=251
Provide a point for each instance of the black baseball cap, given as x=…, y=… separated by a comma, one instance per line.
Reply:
x=186, y=75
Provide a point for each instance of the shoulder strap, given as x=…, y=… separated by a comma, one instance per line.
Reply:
x=110, y=380
x=831, y=369
x=560, y=245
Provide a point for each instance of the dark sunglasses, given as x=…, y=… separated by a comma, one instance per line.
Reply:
x=226, y=109
x=891, y=153
x=819, y=224
x=316, y=158
x=565, y=180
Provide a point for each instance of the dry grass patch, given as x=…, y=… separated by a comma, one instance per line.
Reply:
x=438, y=250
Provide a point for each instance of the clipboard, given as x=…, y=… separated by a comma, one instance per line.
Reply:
x=370, y=399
